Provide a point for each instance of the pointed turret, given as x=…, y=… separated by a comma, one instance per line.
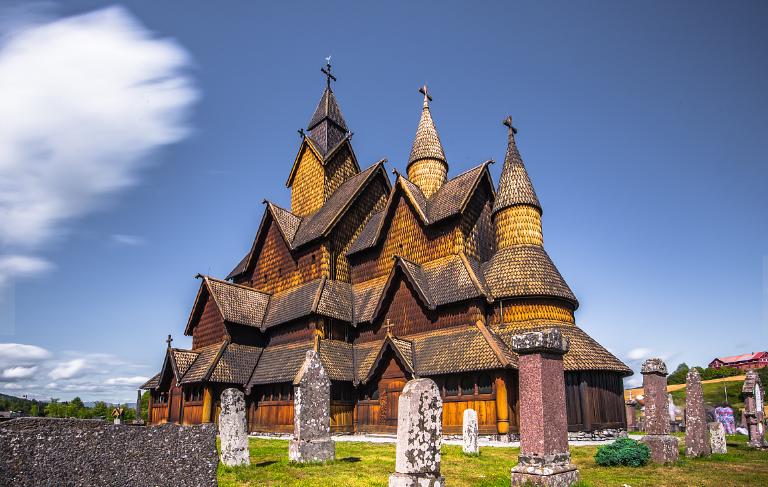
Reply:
x=427, y=167
x=327, y=127
x=516, y=211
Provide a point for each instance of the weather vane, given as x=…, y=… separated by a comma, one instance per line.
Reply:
x=327, y=71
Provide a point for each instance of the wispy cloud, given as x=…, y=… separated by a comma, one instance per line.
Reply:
x=67, y=370
x=129, y=240
x=127, y=381
x=639, y=353
x=19, y=372
x=86, y=100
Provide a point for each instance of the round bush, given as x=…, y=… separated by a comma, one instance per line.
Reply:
x=623, y=451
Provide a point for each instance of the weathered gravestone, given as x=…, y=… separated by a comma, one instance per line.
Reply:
x=717, y=437
x=38, y=452
x=631, y=408
x=233, y=429
x=469, y=432
x=696, y=428
x=544, y=456
x=664, y=447
x=419, y=436
x=753, y=410
x=311, y=417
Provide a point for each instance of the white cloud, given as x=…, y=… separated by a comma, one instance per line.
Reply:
x=130, y=240
x=11, y=386
x=17, y=353
x=85, y=101
x=639, y=353
x=127, y=381
x=67, y=370
x=19, y=372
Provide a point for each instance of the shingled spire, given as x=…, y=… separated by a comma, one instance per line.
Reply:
x=516, y=211
x=427, y=167
x=327, y=126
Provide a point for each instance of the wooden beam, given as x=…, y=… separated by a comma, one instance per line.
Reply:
x=207, y=403
x=502, y=408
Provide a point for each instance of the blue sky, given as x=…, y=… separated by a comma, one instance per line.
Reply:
x=642, y=127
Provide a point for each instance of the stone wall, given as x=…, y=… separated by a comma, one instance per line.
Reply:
x=47, y=451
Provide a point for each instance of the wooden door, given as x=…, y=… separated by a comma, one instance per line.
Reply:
x=174, y=405
x=391, y=394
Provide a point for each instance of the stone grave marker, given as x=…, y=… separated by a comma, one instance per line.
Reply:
x=233, y=429
x=469, y=432
x=312, y=414
x=717, y=437
x=696, y=428
x=631, y=408
x=754, y=410
x=664, y=447
x=419, y=436
x=544, y=456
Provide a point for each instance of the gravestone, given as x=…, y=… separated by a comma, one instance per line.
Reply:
x=753, y=410
x=233, y=429
x=717, y=437
x=419, y=436
x=630, y=408
x=544, y=456
x=312, y=414
x=664, y=447
x=469, y=432
x=696, y=428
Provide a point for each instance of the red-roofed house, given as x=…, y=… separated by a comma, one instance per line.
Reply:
x=754, y=360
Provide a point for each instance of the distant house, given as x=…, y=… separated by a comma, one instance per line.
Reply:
x=754, y=360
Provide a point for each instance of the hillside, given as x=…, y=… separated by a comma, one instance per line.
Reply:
x=13, y=403
x=714, y=391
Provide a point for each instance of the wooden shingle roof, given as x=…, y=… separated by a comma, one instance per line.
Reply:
x=236, y=364
x=152, y=383
x=280, y=363
x=201, y=368
x=238, y=304
x=427, y=144
x=515, y=187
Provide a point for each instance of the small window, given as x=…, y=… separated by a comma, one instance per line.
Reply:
x=467, y=386
x=484, y=384
x=452, y=386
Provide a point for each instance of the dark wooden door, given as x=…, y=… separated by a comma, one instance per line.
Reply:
x=174, y=405
x=392, y=390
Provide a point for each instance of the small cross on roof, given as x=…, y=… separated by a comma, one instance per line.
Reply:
x=508, y=122
x=327, y=71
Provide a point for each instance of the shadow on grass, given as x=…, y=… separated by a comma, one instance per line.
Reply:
x=264, y=464
x=349, y=460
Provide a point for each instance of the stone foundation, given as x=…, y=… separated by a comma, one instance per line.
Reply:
x=311, y=451
x=664, y=448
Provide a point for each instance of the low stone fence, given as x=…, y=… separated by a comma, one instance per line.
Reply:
x=75, y=452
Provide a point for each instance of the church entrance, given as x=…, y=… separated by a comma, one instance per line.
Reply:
x=389, y=395
x=174, y=405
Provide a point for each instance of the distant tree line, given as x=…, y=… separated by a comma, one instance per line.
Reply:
x=75, y=408
x=680, y=373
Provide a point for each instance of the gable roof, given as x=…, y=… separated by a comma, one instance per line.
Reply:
x=450, y=200
x=236, y=304
x=403, y=350
x=322, y=296
x=236, y=364
x=312, y=143
x=207, y=357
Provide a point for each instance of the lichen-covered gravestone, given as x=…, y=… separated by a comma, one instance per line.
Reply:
x=544, y=456
x=663, y=446
x=717, y=437
x=233, y=429
x=753, y=410
x=419, y=436
x=696, y=428
x=311, y=418
x=469, y=432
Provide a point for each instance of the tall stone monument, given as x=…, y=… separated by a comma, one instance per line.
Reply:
x=419, y=436
x=754, y=410
x=544, y=456
x=664, y=447
x=469, y=432
x=312, y=414
x=233, y=429
x=696, y=428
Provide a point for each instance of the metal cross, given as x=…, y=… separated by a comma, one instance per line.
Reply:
x=389, y=326
x=508, y=122
x=327, y=71
x=423, y=90
x=169, y=340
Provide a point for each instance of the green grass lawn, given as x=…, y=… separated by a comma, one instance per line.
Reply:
x=369, y=464
x=714, y=394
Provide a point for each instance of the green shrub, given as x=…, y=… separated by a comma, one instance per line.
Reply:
x=623, y=451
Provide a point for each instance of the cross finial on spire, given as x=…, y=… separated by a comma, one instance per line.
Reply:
x=389, y=326
x=427, y=97
x=169, y=340
x=327, y=71
x=508, y=122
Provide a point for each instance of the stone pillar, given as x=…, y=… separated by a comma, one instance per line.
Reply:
x=502, y=409
x=664, y=448
x=631, y=408
x=419, y=436
x=207, y=404
x=717, y=437
x=469, y=432
x=696, y=429
x=233, y=430
x=753, y=410
x=311, y=414
x=544, y=456
x=139, y=419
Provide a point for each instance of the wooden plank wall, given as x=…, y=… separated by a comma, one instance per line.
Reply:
x=210, y=326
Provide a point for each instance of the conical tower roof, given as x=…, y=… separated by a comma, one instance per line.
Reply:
x=327, y=126
x=515, y=186
x=427, y=144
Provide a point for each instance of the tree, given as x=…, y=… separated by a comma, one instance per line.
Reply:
x=679, y=375
x=34, y=410
x=712, y=373
x=145, y=404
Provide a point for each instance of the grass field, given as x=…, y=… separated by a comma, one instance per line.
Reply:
x=369, y=464
x=714, y=393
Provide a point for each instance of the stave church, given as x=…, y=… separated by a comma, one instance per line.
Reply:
x=425, y=275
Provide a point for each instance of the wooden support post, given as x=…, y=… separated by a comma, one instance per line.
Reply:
x=502, y=408
x=584, y=400
x=354, y=415
x=207, y=403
